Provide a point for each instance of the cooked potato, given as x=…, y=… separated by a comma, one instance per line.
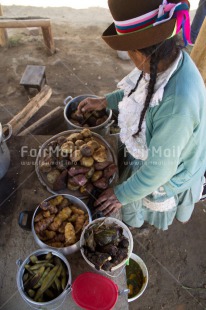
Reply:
x=102, y=166
x=53, y=175
x=76, y=156
x=97, y=175
x=77, y=170
x=94, y=144
x=86, y=133
x=74, y=137
x=86, y=189
x=90, y=173
x=46, y=164
x=87, y=161
x=110, y=170
x=77, y=116
x=86, y=150
x=102, y=183
x=78, y=143
x=67, y=147
x=91, y=121
x=101, y=120
x=79, y=179
x=61, y=140
x=71, y=186
x=100, y=155
x=61, y=181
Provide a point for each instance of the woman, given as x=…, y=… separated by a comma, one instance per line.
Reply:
x=162, y=109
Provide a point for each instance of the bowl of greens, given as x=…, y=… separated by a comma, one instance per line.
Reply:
x=137, y=277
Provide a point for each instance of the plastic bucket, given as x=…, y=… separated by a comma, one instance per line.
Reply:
x=126, y=233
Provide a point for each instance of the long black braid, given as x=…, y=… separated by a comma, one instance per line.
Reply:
x=165, y=51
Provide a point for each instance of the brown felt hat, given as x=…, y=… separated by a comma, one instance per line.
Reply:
x=123, y=10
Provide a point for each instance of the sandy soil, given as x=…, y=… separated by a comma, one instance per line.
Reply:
x=83, y=64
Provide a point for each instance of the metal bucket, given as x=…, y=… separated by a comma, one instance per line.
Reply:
x=52, y=304
x=71, y=105
x=4, y=151
x=66, y=250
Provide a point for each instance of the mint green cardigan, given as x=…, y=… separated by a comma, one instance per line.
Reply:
x=176, y=137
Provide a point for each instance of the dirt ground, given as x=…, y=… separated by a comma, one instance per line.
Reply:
x=83, y=64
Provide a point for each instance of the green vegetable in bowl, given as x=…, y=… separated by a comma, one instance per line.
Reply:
x=135, y=278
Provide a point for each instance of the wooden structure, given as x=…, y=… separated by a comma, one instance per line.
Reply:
x=198, y=53
x=18, y=121
x=24, y=22
x=3, y=32
x=44, y=122
x=33, y=77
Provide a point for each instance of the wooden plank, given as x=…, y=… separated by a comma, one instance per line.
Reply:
x=198, y=52
x=19, y=120
x=23, y=23
x=43, y=122
x=3, y=32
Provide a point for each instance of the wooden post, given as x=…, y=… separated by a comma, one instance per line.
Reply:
x=3, y=32
x=19, y=120
x=198, y=54
x=48, y=38
x=43, y=123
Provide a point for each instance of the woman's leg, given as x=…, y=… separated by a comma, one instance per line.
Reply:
x=198, y=20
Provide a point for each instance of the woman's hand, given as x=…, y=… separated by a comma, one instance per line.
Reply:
x=107, y=202
x=92, y=104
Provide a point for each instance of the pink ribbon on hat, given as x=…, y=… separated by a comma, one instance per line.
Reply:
x=158, y=16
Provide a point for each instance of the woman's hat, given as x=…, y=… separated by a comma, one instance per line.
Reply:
x=142, y=23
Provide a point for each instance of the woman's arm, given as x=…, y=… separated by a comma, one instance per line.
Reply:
x=114, y=98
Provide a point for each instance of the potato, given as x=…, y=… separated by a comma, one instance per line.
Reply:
x=90, y=173
x=61, y=140
x=77, y=116
x=67, y=147
x=76, y=156
x=86, y=150
x=72, y=186
x=87, y=161
x=61, y=181
x=53, y=175
x=100, y=155
x=110, y=170
x=101, y=183
x=86, y=133
x=78, y=143
x=79, y=179
x=102, y=166
x=94, y=144
x=78, y=170
x=74, y=137
x=97, y=175
x=46, y=164
x=101, y=120
x=63, y=164
x=91, y=121
x=86, y=189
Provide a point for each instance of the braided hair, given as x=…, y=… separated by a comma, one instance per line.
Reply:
x=166, y=52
